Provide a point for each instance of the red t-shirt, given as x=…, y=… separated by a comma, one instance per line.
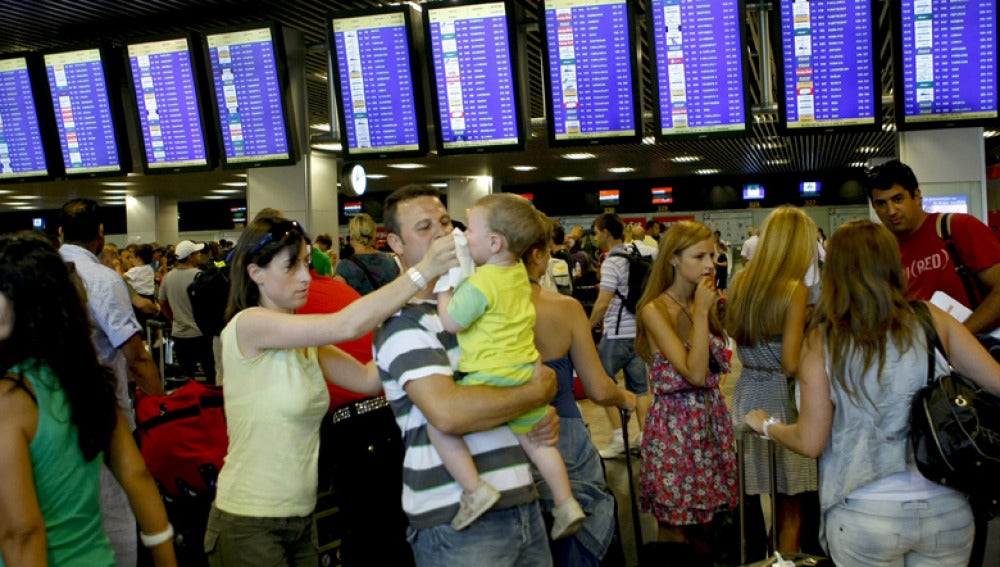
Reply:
x=930, y=268
x=327, y=295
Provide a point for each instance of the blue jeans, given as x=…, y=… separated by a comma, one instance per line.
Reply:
x=936, y=531
x=510, y=537
x=619, y=354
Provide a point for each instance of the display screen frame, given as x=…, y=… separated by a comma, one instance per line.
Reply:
x=806, y=192
x=661, y=195
x=899, y=93
x=292, y=155
x=515, y=75
x=201, y=100
x=635, y=94
x=714, y=131
x=416, y=79
x=868, y=125
x=609, y=197
x=44, y=119
x=112, y=78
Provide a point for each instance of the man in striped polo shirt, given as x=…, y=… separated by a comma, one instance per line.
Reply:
x=416, y=358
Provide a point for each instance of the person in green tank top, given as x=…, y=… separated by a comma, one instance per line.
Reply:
x=60, y=422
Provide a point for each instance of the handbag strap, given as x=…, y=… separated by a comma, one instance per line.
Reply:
x=364, y=270
x=933, y=340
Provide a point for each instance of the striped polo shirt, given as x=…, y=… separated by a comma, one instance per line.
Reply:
x=413, y=344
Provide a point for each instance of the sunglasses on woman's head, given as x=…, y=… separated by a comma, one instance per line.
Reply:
x=278, y=232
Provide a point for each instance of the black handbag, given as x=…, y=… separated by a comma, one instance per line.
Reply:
x=955, y=432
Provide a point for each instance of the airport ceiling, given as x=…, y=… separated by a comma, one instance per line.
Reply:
x=43, y=24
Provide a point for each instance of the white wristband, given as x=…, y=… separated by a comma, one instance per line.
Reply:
x=417, y=278
x=156, y=539
x=767, y=425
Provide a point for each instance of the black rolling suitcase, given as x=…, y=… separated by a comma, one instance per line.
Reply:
x=797, y=559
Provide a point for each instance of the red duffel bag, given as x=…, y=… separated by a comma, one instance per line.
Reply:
x=182, y=436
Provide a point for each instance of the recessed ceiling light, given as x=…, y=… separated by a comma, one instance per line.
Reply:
x=706, y=171
x=685, y=159
x=376, y=176
x=214, y=197
x=890, y=127
x=114, y=191
x=24, y=197
x=858, y=164
x=115, y=202
x=328, y=146
x=621, y=169
x=24, y=207
x=768, y=145
x=118, y=183
x=867, y=149
x=243, y=175
x=523, y=167
x=991, y=133
x=5, y=192
x=649, y=140
x=406, y=165
x=234, y=184
x=777, y=161
x=579, y=155
x=227, y=191
x=570, y=178
x=324, y=126
x=440, y=185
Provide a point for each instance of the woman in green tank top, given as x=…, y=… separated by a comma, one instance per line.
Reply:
x=60, y=422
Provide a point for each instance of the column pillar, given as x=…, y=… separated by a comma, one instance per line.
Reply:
x=166, y=221
x=140, y=219
x=464, y=192
x=948, y=162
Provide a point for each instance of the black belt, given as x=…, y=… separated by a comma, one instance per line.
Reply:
x=358, y=408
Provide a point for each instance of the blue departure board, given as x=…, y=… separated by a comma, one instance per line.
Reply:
x=591, y=71
x=949, y=60
x=250, y=96
x=22, y=151
x=474, y=76
x=829, y=63
x=78, y=90
x=698, y=51
x=378, y=94
x=166, y=97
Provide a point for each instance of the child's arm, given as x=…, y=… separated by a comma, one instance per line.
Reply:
x=450, y=325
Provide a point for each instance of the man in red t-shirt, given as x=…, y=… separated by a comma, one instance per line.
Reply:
x=361, y=452
x=895, y=195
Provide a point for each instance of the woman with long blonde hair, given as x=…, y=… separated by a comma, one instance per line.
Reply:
x=766, y=317
x=688, y=462
x=865, y=354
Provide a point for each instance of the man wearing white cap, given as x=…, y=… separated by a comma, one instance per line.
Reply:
x=190, y=346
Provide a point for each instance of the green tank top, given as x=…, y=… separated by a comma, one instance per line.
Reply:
x=68, y=487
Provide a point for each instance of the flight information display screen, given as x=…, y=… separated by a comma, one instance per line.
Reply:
x=698, y=51
x=591, y=70
x=377, y=91
x=949, y=60
x=474, y=79
x=78, y=90
x=249, y=95
x=22, y=151
x=828, y=63
x=166, y=97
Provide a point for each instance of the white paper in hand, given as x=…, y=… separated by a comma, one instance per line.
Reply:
x=465, y=268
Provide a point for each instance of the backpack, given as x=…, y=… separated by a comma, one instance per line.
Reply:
x=973, y=288
x=639, y=267
x=557, y=276
x=209, y=292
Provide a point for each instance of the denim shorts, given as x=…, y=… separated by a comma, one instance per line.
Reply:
x=232, y=540
x=936, y=531
x=509, y=537
x=619, y=354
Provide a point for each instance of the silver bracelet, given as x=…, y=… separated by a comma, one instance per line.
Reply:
x=767, y=425
x=417, y=278
x=156, y=539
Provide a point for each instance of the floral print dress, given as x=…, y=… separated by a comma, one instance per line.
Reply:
x=688, y=452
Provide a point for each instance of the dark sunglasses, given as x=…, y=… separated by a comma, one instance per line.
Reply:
x=278, y=232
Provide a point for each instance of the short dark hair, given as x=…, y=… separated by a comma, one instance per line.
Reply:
x=611, y=223
x=558, y=233
x=893, y=172
x=651, y=223
x=404, y=193
x=80, y=220
x=324, y=239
